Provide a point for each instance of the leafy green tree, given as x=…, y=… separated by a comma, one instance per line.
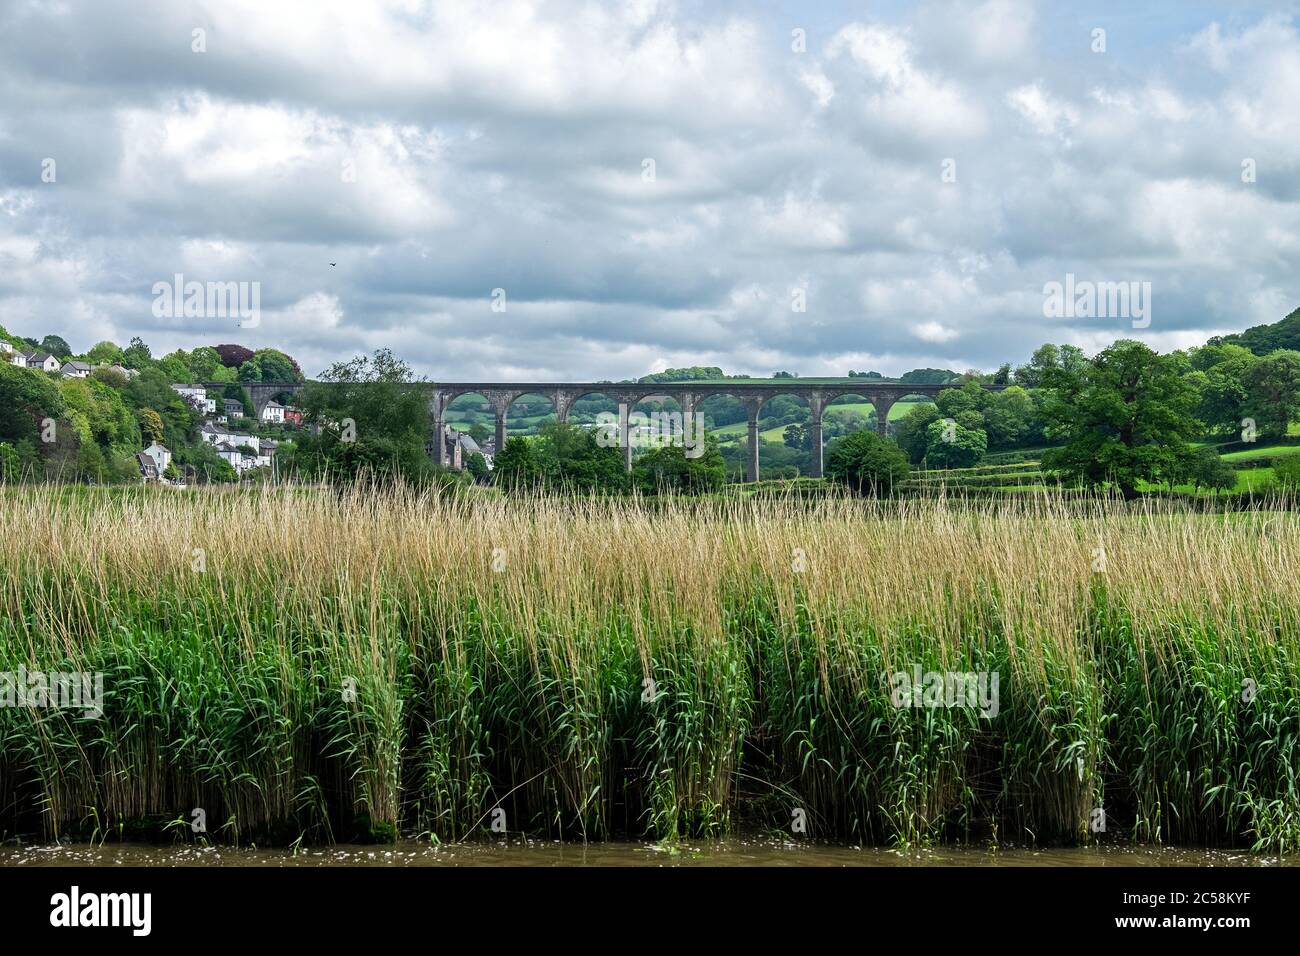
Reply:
x=798, y=436
x=955, y=443
x=1009, y=418
x=204, y=363
x=667, y=469
x=373, y=422
x=929, y=376
x=1273, y=384
x=1050, y=358
x=176, y=369
x=56, y=346
x=1223, y=395
x=250, y=371
x=105, y=353
x=1126, y=416
x=275, y=366
x=911, y=431
x=866, y=463
x=1207, y=469
x=1286, y=473
x=137, y=354
x=477, y=466
x=515, y=467
x=151, y=427
x=26, y=400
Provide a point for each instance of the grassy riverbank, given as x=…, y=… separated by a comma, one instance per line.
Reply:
x=500, y=652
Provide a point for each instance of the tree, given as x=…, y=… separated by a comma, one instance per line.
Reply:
x=479, y=432
x=137, y=354
x=26, y=401
x=477, y=466
x=515, y=466
x=250, y=371
x=1124, y=417
x=56, y=346
x=1273, y=384
x=204, y=362
x=866, y=463
x=1009, y=418
x=1224, y=396
x=105, y=353
x=910, y=432
x=929, y=376
x=667, y=469
x=275, y=366
x=151, y=426
x=1286, y=473
x=1206, y=469
x=797, y=436
x=1050, y=358
x=955, y=443
x=233, y=356
x=373, y=421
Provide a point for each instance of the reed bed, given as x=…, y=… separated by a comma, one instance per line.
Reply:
x=304, y=664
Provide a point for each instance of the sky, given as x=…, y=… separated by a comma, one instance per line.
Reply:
x=808, y=187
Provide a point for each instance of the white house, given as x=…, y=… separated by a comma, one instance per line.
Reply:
x=43, y=361
x=197, y=397
x=161, y=456
x=217, y=435
x=242, y=461
x=273, y=412
x=75, y=370
x=6, y=349
x=18, y=358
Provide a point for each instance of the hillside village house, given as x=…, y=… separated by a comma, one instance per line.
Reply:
x=6, y=349
x=234, y=408
x=197, y=397
x=148, y=467
x=273, y=413
x=229, y=443
x=41, y=360
x=75, y=369
x=161, y=456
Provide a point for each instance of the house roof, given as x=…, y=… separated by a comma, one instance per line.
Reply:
x=160, y=446
x=273, y=404
x=79, y=366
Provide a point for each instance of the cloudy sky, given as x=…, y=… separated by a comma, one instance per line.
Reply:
x=437, y=151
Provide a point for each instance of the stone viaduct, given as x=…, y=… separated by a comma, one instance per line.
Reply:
x=687, y=395
x=501, y=395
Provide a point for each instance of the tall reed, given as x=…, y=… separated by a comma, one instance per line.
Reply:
x=305, y=664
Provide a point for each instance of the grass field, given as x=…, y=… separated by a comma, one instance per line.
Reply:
x=304, y=665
